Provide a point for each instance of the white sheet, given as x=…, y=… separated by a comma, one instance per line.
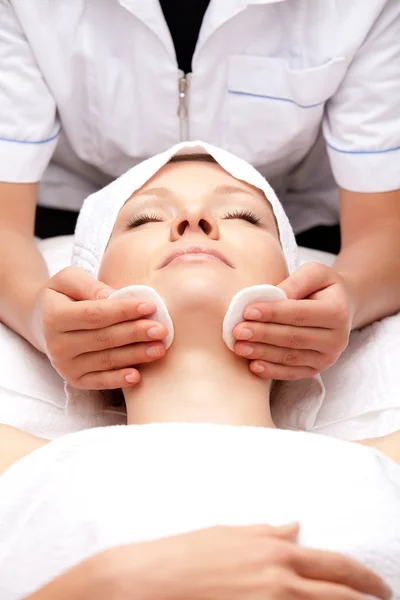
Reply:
x=362, y=389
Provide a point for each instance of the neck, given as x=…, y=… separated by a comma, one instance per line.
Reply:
x=199, y=380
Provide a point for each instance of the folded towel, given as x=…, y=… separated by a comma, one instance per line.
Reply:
x=104, y=487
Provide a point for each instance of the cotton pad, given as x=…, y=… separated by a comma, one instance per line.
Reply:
x=146, y=292
x=249, y=295
x=234, y=315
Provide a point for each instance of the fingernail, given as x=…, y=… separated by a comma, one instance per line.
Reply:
x=154, y=333
x=258, y=368
x=153, y=351
x=145, y=308
x=291, y=525
x=253, y=313
x=246, y=350
x=130, y=378
x=244, y=334
x=104, y=294
x=291, y=529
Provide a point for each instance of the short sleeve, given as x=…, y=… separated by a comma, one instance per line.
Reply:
x=362, y=120
x=29, y=126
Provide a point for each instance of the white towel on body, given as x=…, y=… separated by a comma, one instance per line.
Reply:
x=104, y=487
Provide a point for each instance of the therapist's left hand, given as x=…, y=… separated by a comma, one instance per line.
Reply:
x=302, y=336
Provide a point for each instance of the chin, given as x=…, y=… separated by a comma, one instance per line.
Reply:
x=195, y=288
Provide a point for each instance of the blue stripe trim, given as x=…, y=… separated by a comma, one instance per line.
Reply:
x=363, y=151
x=276, y=98
x=50, y=139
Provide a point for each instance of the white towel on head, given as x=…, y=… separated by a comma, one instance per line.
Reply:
x=297, y=402
x=100, y=210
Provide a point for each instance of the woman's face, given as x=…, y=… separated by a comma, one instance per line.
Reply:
x=195, y=208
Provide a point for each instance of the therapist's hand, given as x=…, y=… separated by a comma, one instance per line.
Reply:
x=93, y=342
x=220, y=563
x=302, y=336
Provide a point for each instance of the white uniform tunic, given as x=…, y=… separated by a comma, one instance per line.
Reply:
x=105, y=487
x=101, y=80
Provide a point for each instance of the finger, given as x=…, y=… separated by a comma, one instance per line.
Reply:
x=118, y=358
x=78, y=285
x=300, y=313
x=98, y=314
x=281, y=356
x=268, y=370
x=308, y=279
x=109, y=380
x=335, y=568
x=287, y=532
x=287, y=336
x=122, y=334
x=316, y=590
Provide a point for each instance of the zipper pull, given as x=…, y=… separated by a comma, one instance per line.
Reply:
x=182, y=110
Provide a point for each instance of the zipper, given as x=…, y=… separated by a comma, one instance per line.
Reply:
x=182, y=108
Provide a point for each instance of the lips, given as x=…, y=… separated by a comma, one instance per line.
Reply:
x=195, y=249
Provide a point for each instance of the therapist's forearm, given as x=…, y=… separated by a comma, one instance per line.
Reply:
x=371, y=269
x=369, y=260
x=23, y=273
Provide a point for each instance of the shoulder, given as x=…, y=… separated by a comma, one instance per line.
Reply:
x=15, y=444
x=388, y=445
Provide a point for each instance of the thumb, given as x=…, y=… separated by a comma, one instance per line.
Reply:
x=75, y=283
x=287, y=532
x=308, y=279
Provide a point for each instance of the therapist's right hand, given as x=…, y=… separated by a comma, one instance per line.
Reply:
x=92, y=342
x=220, y=563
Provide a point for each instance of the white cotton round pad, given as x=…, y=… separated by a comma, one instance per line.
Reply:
x=249, y=295
x=146, y=292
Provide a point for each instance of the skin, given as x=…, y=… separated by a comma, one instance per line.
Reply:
x=230, y=394
x=303, y=335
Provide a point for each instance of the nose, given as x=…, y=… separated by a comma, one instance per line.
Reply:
x=195, y=221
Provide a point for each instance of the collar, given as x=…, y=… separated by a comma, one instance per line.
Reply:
x=218, y=13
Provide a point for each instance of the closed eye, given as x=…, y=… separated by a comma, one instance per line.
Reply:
x=142, y=220
x=246, y=215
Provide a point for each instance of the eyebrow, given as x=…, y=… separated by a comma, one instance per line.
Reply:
x=160, y=192
x=163, y=192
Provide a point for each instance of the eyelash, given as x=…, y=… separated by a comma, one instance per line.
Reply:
x=246, y=215
x=142, y=220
